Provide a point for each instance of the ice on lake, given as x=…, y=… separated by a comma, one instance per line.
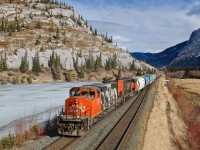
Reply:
x=25, y=101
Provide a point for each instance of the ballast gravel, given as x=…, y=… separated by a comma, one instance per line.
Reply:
x=39, y=144
x=95, y=135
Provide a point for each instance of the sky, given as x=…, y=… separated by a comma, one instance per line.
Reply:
x=142, y=25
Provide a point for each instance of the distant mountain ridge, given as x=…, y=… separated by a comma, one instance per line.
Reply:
x=184, y=54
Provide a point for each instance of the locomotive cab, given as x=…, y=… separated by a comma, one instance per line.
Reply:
x=81, y=107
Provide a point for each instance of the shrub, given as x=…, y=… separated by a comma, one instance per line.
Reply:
x=37, y=42
x=7, y=142
x=15, y=80
x=190, y=115
x=68, y=77
x=38, y=25
x=29, y=79
x=106, y=78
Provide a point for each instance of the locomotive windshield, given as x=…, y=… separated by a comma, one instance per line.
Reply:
x=74, y=92
x=78, y=91
x=89, y=94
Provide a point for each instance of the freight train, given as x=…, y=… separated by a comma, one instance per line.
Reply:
x=88, y=104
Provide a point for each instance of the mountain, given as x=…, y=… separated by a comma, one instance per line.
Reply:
x=40, y=27
x=45, y=27
x=184, y=54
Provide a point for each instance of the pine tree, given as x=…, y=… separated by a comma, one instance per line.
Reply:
x=18, y=28
x=98, y=62
x=55, y=65
x=68, y=77
x=1, y=64
x=139, y=72
x=5, y=67
x=95, y=32
x=119, y=74
x=75, y=63
x=91, y=28
x=132, y=66
x=57, y=33
x=106, y=38
x=89, y=62
x=36, y=68
x=114, y=61
x=81, y=73
x=24, y=67
x=86, y=23
x=2, y=25
x=108, y=65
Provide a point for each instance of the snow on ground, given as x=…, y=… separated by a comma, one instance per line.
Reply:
x=24, y=101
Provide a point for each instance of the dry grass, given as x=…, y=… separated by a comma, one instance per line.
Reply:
x=190, y=115
x=26, y=130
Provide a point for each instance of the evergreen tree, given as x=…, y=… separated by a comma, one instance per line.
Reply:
x=75, y=63
x=132, y=66
x=91, y=28
x=68, y=77
x=1, y=64
x=114, y=61
x=24, y=67
x=57, y=33
x=89, y=62
x=36, y=68
x=111, y=40
x=119, y=74
x=86, y=23
x=139, y=72
x=5, y=67
x=2, y=25
x=149, y=71
x=98, y=62
x=81, y=72
x=55, y=65
x=106, y=38
x=18, y=28
x=95, y=32
x=108, y=65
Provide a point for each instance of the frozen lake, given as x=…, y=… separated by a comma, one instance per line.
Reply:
x=25, y=101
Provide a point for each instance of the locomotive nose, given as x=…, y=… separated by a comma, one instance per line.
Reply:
x=76, y=101
x=69, y=128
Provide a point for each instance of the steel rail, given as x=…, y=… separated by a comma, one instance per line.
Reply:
x=113, y=144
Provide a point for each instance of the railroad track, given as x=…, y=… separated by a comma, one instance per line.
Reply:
x=115, y=138
x=61, y=143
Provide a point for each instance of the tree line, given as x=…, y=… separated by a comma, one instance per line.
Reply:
x=91, y=64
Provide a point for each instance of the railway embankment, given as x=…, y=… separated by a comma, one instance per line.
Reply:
x=165, y=128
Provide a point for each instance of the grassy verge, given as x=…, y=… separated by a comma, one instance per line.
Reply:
x=25, y=130
x=190, y=114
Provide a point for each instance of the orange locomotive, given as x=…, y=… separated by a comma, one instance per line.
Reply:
x=88, y=104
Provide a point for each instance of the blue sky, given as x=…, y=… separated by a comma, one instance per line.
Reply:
x=142, y=25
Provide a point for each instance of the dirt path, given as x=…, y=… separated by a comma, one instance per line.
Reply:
x=165, y=129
